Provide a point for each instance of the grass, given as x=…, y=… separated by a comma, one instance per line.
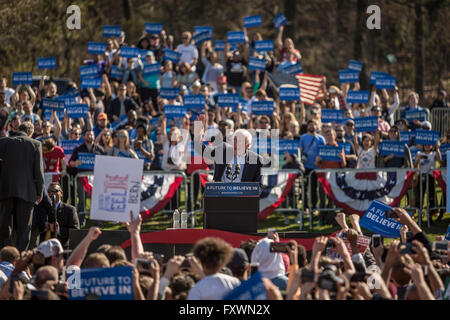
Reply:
x=162, y=221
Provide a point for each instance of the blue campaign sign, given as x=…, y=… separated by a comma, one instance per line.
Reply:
x=153, y=28
x=69, y=145
x=348, y=76
x=289, y=94
x=291, y=146
x=111, y=31
x=386, y=82
x=332, y=115
x=94, y=83
x=122, y=121
x=355, y=65
x=77, y=111
x=228, y=100
x=294, y=69
x=199, y=29
x=87, y=159
x=154, y=121
x=395, y=147
x=264, y=45
x=420, y=115
x=53, y=104
x=361, y=96
x=46, y=63
x=444, y=148
x=230, y=189
x=279, y=20
x=174, y=111
x=96, y=47
x=169, y=93
x=219, y=45
x=252, y=289
x=48, y=114
x=374, y=75
x=374, y=220
x=171, y=55
x=236, y=36
x=201, y=37
x=142, y=156
x=252, y=21
x=22, y=78
x=151, y=69
x=116, y=73
x=105, y=284
x=366, y=124
x=447, y=234
x=263, y=107
x=346, y=146
x=406, y=136
x=194, y=101
x=129, y=52
x=426, y=137
x=330, y=153
x=257, y=64
x=91, y=70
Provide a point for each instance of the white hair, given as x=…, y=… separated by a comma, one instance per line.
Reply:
x=244, y=133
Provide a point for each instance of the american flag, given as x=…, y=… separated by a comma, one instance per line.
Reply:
x=310, y=86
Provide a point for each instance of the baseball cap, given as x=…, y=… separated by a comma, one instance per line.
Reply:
x=149, y=54
x=426, y=124
x=51, y=247
x=102, y=115
x=239, y=260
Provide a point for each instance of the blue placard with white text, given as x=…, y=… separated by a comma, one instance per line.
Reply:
x=22, y=78
x=420, y=115
x=169, y=93
x=171, y=55
x=77, y=111
x=293, y=69
x=290, y=146
x=346, y=146
x=348, y=76
x=366, y=124
x=361, y=96
x=151, y=69
x=46, y=63
x=235, y=37
x=330, y=153
x=406, y=136
x=219, y=45
x=96, y=47
x=228, y=100
x=444, y=148
x=374, y=75
x=201, y=37
x=386, y=82
x=48, y=114
x=94, y=83
x=116, y=73
x=264, y=45
x=199, y=29
x=53, y=104
x=114, y=283
x=375, y=220
x=426, y=137
x=227, y=189
x=289, y=94
x=252, y=21
x=91, y=70
x=355, y=65
x=279, y=20
x=332, y=115
x=87, y=159
x=153, y=28
x=393, y=147
x=70, y=145
x=111, y=31
x=263, y=107
x=174, y=111
x=252, y=289
x=257, y=64
x=129, y=52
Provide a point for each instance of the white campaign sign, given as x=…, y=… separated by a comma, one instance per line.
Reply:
x=117, y=188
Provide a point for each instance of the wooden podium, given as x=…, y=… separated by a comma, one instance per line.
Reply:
x=231, y=207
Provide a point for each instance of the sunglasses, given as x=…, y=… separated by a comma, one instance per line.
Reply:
x=53, y=191
x=349, y=124
x=122, y=136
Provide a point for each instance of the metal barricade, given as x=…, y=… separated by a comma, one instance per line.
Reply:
x=440, y=118
x=299, y=184
x=347, y=170
x=146, y=173
x=443, y=171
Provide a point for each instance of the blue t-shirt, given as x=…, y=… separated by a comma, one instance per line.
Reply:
x=310, y=147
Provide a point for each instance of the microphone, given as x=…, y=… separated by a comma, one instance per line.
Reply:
x=238, y=169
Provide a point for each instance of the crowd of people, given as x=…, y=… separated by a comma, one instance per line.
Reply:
x=126, y=117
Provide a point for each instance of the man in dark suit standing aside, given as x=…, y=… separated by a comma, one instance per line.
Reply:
x=21, y=185
x=121, y=105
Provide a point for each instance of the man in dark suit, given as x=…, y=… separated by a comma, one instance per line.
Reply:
x=121, y=105
x=21, y=185
x=66, y=215
x=232, y=163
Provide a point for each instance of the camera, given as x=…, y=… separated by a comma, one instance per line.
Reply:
x=329, y=279
x=282, y=247
x=407, y=249
x=143, y=264
x=254, y=266
x=376, y=240
x=440, y=245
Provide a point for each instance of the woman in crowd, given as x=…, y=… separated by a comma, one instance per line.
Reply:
x=122, y=148
x=186, y=76
x=104, y=139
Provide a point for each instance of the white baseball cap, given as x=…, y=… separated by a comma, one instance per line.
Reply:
x=50, y=248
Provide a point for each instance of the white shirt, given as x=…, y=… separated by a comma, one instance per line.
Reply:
x=236, y=160
x=213, y=287
x=366, y=158
x=188, y=53
x=426, y=165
